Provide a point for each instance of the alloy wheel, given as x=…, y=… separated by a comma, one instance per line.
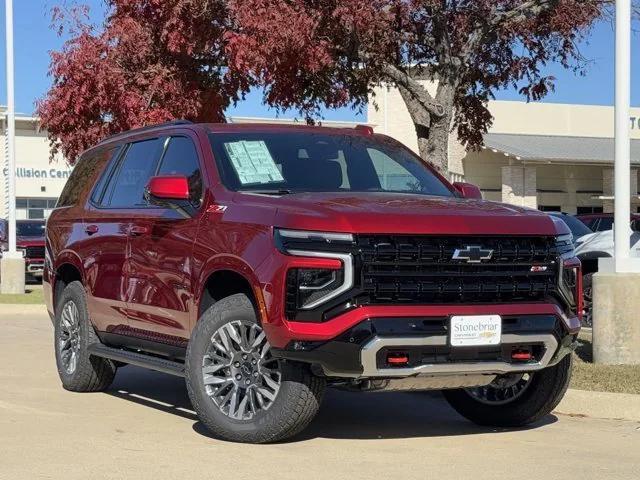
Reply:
x=240, y=375
x=69, y=337
x=504, y=389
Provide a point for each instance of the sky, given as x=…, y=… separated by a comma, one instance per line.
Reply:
x=34, y=39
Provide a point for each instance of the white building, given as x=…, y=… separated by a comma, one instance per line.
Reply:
x=541, y=155
x=39, y=181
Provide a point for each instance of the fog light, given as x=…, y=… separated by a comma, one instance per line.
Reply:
x=397, y=359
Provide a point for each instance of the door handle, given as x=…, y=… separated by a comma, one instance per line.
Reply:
x=138, y=230
x=91, y=229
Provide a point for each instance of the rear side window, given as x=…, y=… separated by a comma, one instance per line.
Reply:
x=126, y=185
x=181, y=158
x=85, y=173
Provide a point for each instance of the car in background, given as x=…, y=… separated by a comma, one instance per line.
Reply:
x=589, y=249
x=29, y=241
x=577, y=227
x=601, y=222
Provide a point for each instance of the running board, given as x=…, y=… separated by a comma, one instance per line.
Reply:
x=139, y=359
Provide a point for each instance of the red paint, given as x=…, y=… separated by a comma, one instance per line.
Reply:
x=283, y=331
x=145, y=269
x=169, y=187
x=468, y=190
x=521, y=356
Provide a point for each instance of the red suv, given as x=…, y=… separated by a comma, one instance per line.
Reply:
x=29, y=241
x=263, y=263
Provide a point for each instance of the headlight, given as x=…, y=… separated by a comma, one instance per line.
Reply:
x=313, y=286
x=306, y=288
x=564, y=246
x=571, y=284
x=22, y=251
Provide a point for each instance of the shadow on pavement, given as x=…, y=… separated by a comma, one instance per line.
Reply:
x=344, y=415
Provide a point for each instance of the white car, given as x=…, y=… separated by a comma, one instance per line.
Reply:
x=591, y=247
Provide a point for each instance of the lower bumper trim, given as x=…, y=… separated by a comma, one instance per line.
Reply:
x=371, y=370
x=422, y=382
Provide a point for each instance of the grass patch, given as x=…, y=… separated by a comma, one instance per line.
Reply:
x=602, y=378
x=32, y=296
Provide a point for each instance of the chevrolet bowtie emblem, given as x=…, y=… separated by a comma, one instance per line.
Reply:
x=472, y=254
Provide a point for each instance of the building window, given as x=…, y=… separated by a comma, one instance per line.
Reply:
x=34, y=208
x=549, y=208
x=587, y=210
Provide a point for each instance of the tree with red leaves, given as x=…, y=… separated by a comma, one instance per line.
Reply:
x=151, y=62
x=310, y=53
x=156, y=60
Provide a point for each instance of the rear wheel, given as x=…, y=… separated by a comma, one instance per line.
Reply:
x=73, y=333
x=514, y=400
x=239, y=390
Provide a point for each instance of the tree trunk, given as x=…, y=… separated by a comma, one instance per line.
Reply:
x=432, y=131
x=434, y=148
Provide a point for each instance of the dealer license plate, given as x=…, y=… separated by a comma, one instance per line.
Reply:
x=475, y=330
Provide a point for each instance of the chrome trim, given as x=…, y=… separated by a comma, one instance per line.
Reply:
x=425, y=382
x=306, y=234
x=347, y=265
x=369, y=351
x=35, y=267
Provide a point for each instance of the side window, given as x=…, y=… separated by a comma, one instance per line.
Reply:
x=126, y=188
x=84, y=173
x=181, y=158
x=97, y=195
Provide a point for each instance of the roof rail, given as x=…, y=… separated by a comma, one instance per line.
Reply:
x=145, y=128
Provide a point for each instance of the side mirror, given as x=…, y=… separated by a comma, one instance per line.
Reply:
x=165, y=189
x=635, y=225
x=170, y=191
x=468, y=190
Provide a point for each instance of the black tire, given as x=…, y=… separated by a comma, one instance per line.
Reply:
x=542, y=395
x=90, y=374
x=296, y=402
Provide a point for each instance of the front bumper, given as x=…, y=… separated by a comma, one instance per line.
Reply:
x=34, y=267
x=421, y=333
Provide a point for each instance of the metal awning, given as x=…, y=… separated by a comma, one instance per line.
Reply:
x=557, y=148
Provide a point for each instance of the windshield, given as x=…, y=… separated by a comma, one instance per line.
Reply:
x=30, y=229
x=315, y=162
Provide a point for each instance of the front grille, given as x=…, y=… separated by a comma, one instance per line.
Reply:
x=34, y=252
x=412, y=269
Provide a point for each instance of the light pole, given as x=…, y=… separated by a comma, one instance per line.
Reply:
x=616, y=286
x=12, y=266
x=622, y=209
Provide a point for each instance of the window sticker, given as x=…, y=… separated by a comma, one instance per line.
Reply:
x=253, y=162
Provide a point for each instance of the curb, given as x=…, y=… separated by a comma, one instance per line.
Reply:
x=583, y=403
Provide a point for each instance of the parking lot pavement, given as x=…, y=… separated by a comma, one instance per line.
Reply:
x=143, y=427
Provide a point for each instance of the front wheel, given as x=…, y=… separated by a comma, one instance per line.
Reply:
x=514, y=400
x=238, y=389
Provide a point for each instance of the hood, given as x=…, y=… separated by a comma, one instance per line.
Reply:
x=30, y=241
x=404, y=213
